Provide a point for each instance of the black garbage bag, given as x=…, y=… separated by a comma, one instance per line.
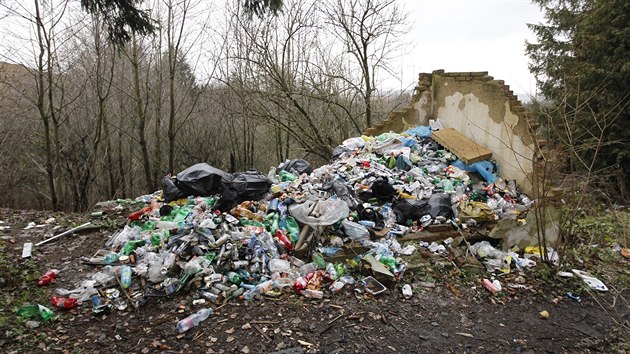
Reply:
x=249, y=185
x=170, y=190
x=410, y=210
x=298, y=165
x=202, y=180
x=383, y=191
x=429, y=144
x=227, y=200
x=440, y=205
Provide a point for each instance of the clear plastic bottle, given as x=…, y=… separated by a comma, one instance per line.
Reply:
x=313, y=294
x=110, y=258
x=332, y=272
x=193, y=320
x=125, y=276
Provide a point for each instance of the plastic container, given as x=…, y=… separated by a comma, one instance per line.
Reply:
x=406, y=291
x=373, y=286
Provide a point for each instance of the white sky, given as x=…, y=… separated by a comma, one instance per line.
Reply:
x=454, y=35
x=471, y=35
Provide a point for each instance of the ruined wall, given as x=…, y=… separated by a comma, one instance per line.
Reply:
x=483, y=109
x=486, y=111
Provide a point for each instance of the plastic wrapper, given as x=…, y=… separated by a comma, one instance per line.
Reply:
x=354, y=231
x=316, y=212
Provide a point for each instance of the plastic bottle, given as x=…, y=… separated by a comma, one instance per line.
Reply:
x=125, y=276
x=307, y=268
x=312, y=294
x=319, y=261
x=367, y=223
x=130, y=246
x=284, y=240
x=64, y=303
x=48, y=277
x=332, y=272
x=193, y=320
x=234, y=278
x=110, y=258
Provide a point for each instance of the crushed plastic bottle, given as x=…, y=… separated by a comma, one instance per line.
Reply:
x=48, y=277
x=30, y=311
x=64, y=303
x=193, y=320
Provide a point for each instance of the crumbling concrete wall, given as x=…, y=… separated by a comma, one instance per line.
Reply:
x=484, y=110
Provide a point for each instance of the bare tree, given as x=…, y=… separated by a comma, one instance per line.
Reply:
x=369, y=31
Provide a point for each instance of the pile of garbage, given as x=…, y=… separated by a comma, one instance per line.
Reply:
x=247, y=235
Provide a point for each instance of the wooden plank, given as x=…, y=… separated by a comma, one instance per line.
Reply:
x=460, y=145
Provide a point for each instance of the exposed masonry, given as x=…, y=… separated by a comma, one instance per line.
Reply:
x=432, y=92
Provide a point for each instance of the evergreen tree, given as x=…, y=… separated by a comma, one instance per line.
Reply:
x=581, y=60
x=124, y=17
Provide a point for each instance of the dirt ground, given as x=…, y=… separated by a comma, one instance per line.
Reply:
x=448, y=312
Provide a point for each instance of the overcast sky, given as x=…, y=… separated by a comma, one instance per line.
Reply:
x=471, y=35
x=454, y=35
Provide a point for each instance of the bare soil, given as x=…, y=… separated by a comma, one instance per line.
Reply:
x=448, y=312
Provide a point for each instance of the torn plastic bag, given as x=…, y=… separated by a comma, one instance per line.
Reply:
x=353, y=143
x=485, y=168
x=343, y=192
x=391, y=147
x=318, y=212
x=403, y=163
x=440, y=205
x=249, y=185
x=421, y=131
x=475, y=210
x=410, y=210
x=298, y=165
x=202, y=180
x=170, y=190
x=354, y=231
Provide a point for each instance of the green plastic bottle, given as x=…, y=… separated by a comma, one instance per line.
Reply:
x=30, y=311
x=319, y=261
x=234, y=278
x=158, y=237
x=148, y=226
x=45, y=313
x=293, y=228
x=389, y=262
x=340, y=269
x=130, y=246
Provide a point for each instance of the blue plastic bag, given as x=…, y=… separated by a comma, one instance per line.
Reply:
x=421, y=131
x=485, y=168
